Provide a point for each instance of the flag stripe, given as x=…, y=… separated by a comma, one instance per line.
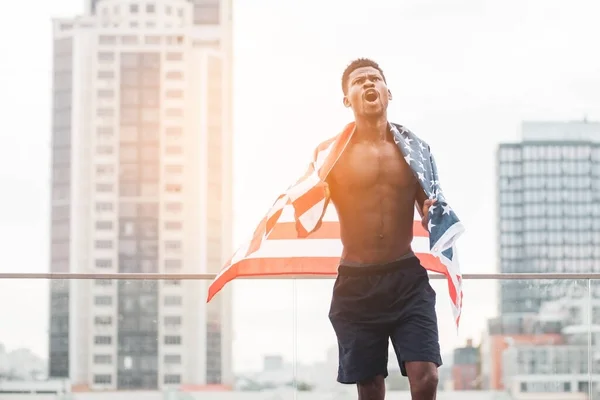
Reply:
x=328, y=230
x=287, y=265
x=315, y=248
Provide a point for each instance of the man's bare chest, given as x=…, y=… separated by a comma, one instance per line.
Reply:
x=364, y=165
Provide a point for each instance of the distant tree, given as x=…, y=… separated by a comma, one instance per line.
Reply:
x=303, y=387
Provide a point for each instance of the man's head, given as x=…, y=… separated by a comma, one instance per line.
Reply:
x=365, y=88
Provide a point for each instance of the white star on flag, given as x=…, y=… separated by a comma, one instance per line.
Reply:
x=430, y=226
x=408, y=148
x=447, y=209
x=408, y=159
x=421, y=146
x=421, y=176
x=433, y=207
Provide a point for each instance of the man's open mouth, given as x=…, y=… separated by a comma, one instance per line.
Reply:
x=371, y=95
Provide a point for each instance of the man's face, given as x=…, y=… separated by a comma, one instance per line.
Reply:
x=367, y=93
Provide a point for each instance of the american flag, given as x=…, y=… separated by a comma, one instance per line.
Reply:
x=300, y=235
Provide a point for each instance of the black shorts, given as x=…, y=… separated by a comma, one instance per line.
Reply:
x=372, y=304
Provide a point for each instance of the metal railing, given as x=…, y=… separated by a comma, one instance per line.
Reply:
x=207, y=277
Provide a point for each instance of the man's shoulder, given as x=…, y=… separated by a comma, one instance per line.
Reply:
x=341, y=137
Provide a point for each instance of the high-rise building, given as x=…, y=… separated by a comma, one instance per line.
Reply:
x=548, y=208
x=141, y=183
x=548, y=214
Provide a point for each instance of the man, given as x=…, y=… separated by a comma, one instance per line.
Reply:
x=381, y=291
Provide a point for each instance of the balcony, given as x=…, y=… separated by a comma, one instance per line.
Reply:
x=144, y=336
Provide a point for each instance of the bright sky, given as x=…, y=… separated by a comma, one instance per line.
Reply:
x=464, y=74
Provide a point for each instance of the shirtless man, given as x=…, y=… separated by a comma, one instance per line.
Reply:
x=381, y=291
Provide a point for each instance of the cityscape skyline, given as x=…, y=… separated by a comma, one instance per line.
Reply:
x=442, y=96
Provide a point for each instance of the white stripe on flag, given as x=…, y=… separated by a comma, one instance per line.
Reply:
x=311, y=217
x=330, y=214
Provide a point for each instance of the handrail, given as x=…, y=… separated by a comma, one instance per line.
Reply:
x=210, y=277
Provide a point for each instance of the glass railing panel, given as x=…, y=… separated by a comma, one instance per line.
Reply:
x=272, y=339
x=516, y=338
x=146, y=339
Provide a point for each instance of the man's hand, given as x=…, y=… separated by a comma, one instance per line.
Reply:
x=426, y=206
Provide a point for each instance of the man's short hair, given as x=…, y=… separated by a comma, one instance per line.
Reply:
x=356, y=64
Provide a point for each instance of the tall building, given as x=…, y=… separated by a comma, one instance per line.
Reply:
x=141, y=183
x=549, y=209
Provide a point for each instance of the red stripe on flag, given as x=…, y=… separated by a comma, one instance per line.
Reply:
x=324, y=266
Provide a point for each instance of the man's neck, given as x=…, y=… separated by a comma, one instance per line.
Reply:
x=372, y=129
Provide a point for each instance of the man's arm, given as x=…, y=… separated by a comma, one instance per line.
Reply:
x=423, y=205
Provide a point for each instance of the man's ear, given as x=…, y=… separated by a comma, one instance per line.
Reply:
x=346, y=102
x=389, y=94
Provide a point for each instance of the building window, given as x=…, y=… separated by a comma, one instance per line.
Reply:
x=105, y=112
x=150, y=8
x=104, y=225
x=106, y=94
x=102, y=379
x=174, y=56
x=106, y=56
x=172, y=359
x=174, y=112
x=100, y=207
x=172, y=340
x=134, y=8
x=174, y=94
x=103, y=300
x=171, y=379
x=103, y=320
x=129, y=39
x=102, y=359
x=103, y=263
x=172, y=264
x=103, y=74
x=173, y=245
x=174, y=131
x=104, y=169
x=174, y=150
x=104, y=244
x=171, y=301
x=173, y=225
x=103, y=282
x=172, y=320
x=103, y=340
x=174, y=207
x=175, y=75
x=104, y=187
x=172, y=282
x=152, y=39
x=173, y=188
x=104, y=150
x=104, y=131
